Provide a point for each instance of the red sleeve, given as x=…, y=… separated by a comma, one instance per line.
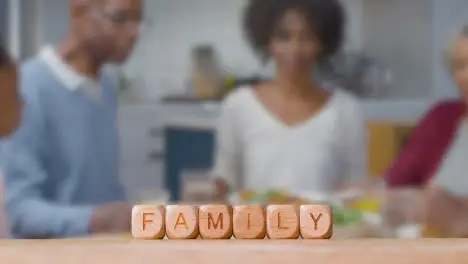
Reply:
x=408, y=168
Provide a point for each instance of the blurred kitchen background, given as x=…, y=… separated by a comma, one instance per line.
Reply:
x=192, y=52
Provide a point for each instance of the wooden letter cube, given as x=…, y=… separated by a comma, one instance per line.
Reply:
x=148, y=222
x=215, y=221
x=181, y=221
x=316, y=222
x=282, y=222
x=249, y=222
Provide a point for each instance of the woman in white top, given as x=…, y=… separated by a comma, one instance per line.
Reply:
x=290, y=133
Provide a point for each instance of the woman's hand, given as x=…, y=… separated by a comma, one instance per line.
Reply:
x=220, y=190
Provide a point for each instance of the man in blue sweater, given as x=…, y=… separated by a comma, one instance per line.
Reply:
x=61, y=165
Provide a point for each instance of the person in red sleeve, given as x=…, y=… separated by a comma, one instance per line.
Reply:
x=435, y=161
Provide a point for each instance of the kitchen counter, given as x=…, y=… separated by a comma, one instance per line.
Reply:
x=206, y=119
x=207, y=123
x=123, y=250
x=198, y=116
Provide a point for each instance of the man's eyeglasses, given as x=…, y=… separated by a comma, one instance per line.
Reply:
x=121, y=18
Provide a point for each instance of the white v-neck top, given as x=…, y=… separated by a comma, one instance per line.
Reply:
x=452, y=172
x=255, y=150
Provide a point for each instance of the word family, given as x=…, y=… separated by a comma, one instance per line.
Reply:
x=224, y=222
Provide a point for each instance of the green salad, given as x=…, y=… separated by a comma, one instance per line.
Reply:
x=344, y=216
x=265, y=197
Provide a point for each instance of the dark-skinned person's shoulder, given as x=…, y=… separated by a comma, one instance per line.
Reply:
x=10, y=103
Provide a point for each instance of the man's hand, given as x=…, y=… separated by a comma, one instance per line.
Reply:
x=446, y=213
x=432, y=206
x=111, y=218
x=405, y=205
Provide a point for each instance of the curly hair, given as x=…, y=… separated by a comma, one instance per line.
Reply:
x=325, y=17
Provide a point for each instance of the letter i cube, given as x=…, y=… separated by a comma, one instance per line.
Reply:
x=249, y=222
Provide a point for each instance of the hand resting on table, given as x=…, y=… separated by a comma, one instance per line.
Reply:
x=431, y=206
x=111, y=218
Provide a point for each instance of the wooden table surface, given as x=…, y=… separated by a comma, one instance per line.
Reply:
x=123, y=250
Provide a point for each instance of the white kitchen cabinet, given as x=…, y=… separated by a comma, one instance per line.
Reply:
x=410, y=37
x=139, y=144
x=141, y=148
x=138, y=179
x=141, y=129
